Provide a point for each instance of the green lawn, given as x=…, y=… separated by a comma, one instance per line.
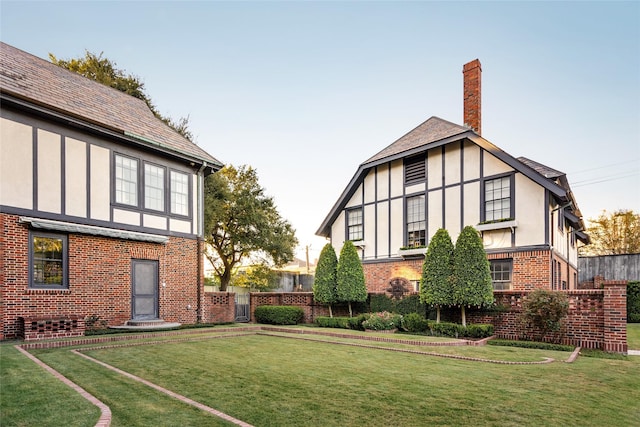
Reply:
x=633, y=336
x=279, y=381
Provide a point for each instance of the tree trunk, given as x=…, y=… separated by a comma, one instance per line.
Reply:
x=225, y=279
x=350, y=313
x=330, y=312
x=437, y=314
x=464, y=316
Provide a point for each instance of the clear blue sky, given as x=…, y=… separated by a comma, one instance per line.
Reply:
x=306, y=91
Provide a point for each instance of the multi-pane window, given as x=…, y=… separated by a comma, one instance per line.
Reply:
x=179, y=193
x=501, y=274
x=416, y=221
x=126, y=180
x=497, y=199
x=355, y=230
x=415, y=170
x=48, y=255
x=153, y=187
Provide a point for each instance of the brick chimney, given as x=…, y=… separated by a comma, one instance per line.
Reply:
x=472, y=73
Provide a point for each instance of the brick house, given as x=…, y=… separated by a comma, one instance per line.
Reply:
x=100, y=205
x=444, y=175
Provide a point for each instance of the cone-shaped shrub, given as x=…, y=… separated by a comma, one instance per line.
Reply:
x=350, y=276
x=324, y=285
x=472, y=284
x=435, y=287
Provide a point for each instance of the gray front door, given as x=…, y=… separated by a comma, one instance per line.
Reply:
x=144, y=289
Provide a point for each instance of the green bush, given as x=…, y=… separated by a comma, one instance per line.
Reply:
x=543, y=311
x=456, y=330
x=333, y=322
x=415, y=323
x=531, y=344
x=478, y=331
x=633, y=302
x=278, y=314
x=382, y=321
x=355, y=323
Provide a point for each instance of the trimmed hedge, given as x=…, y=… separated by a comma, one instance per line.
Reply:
x=278, y=314
x=333, y=322
x=531, y=344
x=633, y=302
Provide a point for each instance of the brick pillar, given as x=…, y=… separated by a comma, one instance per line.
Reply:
x=615, y=316
x=471, y=73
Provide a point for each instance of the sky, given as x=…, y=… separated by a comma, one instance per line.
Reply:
x=305, y=91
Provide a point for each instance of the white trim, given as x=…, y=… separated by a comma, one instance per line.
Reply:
x=497, y=225
x=68, y=227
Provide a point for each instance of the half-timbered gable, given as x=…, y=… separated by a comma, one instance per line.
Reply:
x=444, y=175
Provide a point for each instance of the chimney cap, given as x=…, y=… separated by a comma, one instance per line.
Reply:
x=471, y=65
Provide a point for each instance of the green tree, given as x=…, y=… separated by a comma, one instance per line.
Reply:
x=437, y=271
x=472, y=284
x=105, y=71
x=325, y=282
x=258, y=277
x=350, y=282
x=612, y=234
x=543, y=310
x=241, y=221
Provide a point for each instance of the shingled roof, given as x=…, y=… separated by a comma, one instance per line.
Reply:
x=41, y=83
x=433, y=129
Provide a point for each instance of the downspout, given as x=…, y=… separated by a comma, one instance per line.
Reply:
x=200, y=240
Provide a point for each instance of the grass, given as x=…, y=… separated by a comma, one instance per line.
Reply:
x=279, y=381
x=633, y=336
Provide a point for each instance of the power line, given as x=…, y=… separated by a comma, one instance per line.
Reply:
x=636, y=161
x=604, y=179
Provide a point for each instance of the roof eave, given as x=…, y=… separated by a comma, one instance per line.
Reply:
x=99, y=128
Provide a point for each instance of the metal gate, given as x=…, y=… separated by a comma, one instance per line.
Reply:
x=243, y=312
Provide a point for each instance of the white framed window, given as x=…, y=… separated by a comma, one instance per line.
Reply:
x=416, y=221
x=126, y=180
x=355, y=228
x=153, y=187
x=179, y=193
x=48, y=260
x=497, y=199
x=501, y=271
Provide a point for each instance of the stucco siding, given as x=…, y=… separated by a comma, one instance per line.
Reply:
x=383, y=181
x=49, y=174
x=382, y=229
x=369, y=231
x=397, y=226
x=452, y=164
x=434, y=212
x=494, y=166
x=452, y=212
x=397, y=178
x=16, y=164
x=434, y=168
x=100, y=183
x=471, y=202
x=75, y=178
x=370, y=186
x=529, y=211
x=126, y=217
x=356, y=199
x=471, y=161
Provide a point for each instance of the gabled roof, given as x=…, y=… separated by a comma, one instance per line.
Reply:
x=436, y=132
x=38, y=84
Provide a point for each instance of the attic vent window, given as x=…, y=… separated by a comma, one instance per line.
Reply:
x=415, y=170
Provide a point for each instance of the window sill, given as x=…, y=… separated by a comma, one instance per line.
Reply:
x=358, y=243
x=412, y=252
x=497, y=225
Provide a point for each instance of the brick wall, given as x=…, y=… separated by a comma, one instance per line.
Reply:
x=597, y=318
x=99, y=279
x=218, y=307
